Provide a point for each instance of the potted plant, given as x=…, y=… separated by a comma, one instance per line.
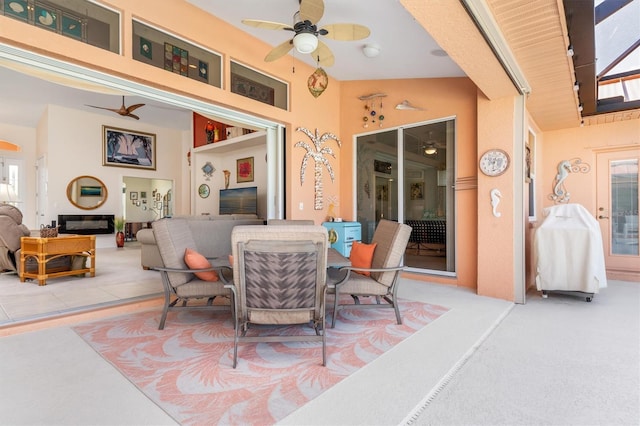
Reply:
x=118, y=223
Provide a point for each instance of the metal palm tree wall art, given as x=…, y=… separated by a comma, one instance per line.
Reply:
x=318, y=153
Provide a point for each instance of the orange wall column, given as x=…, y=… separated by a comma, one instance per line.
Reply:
x=495, y=234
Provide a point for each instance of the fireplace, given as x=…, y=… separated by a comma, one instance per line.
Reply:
x=85, y=224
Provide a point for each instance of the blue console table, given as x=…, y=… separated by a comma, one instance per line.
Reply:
x=342, y=235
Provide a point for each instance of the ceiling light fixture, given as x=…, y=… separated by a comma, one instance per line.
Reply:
x=305, y=42
x=430, y=150
x=570, y=51
x=580, y=107
x=576, y=86
x=371, y=50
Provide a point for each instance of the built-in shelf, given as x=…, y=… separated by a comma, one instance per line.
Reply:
x=245, y=141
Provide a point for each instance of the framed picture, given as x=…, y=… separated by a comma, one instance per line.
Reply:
x=159, y=205
x=72, y=26
x=133, y=195
x=158, y=196
x=417, y=191
x=143, y=194
x=45, y=17
x=244, y=171
x=203, y=190
x=91, y=191
x=251, y=89
x=17, y=8
x=126, y=148
x=527, y=163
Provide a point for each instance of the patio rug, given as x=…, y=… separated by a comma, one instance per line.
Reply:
x=186, y=369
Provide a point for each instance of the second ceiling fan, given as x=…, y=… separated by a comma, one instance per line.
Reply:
x=306, y=33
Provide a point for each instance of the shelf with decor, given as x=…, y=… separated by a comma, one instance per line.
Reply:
x=244, y=141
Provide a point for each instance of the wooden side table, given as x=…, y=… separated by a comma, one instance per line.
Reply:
x=47, y=249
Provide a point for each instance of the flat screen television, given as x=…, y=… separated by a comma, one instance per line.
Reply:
x=239, y=201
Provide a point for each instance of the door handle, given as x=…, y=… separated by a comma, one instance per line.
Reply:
x=603, y=217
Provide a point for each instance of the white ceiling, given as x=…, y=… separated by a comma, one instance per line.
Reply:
x=25, y=98
x=405, y=47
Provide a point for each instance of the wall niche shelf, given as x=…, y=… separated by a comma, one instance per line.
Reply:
x=245, y=141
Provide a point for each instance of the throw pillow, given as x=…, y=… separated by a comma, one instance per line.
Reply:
x=195, y=260
x=362, y=256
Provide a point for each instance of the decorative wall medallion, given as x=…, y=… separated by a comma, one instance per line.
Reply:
x=203, y=190
x=318, y=153
x=208, y=170
x=318, y=82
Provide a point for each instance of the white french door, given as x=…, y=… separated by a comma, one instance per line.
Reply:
x=617, y=204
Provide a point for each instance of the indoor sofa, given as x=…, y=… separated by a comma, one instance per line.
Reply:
x=212, y=236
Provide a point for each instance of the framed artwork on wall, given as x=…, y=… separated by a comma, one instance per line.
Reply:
x=133, y=195
x=244, y=171
x=417, y=190
x=127, y=148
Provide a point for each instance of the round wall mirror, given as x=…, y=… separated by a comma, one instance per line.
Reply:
x=86, y=192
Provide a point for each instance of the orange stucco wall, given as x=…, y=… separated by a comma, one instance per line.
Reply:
x=439, y=99
x=583, y=143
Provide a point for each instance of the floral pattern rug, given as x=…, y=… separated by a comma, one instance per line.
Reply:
x=186, y=369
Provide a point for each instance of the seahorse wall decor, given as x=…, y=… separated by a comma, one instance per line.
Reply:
x=575, y=165
x=318, y=153
x=495, y=200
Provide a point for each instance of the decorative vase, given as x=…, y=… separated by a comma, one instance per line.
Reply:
x=120, y=239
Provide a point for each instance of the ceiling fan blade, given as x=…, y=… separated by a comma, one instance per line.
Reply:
x=323, y=55
x=266, y=25
x=134, y=107
x=132, y=116
x=346, y=32
x=279, y=51
x=117, y=110
x=311, y=10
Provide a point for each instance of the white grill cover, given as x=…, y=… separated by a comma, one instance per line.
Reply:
x=569, y=251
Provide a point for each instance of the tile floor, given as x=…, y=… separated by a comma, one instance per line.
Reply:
x=28, y=301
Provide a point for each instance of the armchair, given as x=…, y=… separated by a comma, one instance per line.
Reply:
x=279, y=278
x=173, y=237
x=11, y=231
x=382, y=283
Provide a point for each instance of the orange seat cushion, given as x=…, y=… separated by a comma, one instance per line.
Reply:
x=362, y=256
x=195, y=260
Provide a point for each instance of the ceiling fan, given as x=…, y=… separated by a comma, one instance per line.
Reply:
x=124, y=111
x=306, y=33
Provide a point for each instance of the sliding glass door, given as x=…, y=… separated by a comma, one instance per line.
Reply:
x=406, y=175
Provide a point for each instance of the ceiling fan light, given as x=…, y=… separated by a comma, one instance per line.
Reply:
x=430, y=150
x=305, y=42
x=371, y=50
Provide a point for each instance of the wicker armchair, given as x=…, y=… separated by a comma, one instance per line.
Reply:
x=279, y=278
